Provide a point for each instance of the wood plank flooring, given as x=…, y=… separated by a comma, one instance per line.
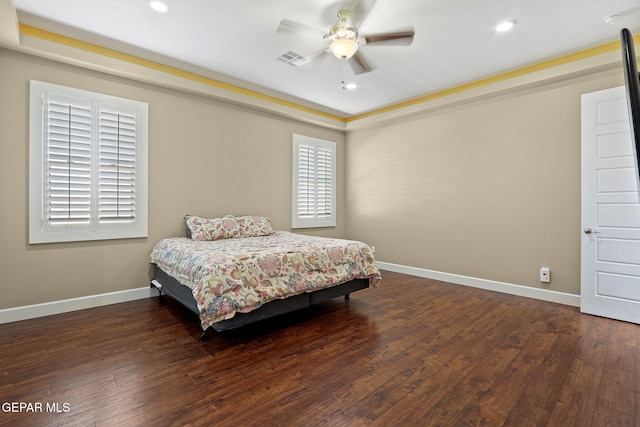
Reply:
x=414, y=352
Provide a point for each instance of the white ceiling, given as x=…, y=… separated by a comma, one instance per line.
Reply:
x=238, y=41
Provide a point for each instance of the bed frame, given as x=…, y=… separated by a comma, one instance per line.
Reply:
x=168, y=285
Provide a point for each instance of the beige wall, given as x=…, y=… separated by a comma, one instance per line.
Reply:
x=489, y=190
x=205, y=158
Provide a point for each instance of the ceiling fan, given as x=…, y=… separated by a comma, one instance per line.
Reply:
x=345, y=39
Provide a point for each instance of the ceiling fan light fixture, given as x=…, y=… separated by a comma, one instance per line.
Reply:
x=343, y=48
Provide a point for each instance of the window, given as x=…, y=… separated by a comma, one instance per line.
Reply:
x=314, y=183
x=87, y=165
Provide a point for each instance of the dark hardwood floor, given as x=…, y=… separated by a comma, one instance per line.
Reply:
x=414, y=352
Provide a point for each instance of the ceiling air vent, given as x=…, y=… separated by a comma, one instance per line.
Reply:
x=293, y=58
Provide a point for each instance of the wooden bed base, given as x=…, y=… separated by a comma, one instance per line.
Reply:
x=171, y=287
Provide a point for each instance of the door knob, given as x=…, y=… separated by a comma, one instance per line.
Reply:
x=589, y=231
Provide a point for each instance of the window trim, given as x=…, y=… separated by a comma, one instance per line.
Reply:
x=314, y=221
x=39, y=229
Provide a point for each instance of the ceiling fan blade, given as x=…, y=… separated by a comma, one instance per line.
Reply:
x=358, y=64
x=362, y=11
x=288, y=25
x=317, y=53
x=400, y=38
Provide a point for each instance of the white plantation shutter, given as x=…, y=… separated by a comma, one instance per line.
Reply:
x=314, y=182
x=68, y=160
x=117, y=166
x=88, y=165
x=324, y=181
x=306, y=181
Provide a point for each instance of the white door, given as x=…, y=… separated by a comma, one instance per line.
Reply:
x=610, y=264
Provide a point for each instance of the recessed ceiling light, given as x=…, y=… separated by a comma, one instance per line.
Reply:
x=158, y=6
x=505, y=26
x=350, y=86
x=610, y=19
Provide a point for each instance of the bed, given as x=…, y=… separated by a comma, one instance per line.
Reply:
x=232, y=271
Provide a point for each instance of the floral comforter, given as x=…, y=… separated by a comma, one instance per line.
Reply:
x=239, y=275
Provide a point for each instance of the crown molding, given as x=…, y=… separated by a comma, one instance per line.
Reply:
x=38, y=42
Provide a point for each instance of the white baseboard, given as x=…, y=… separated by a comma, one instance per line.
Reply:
x=507, y=288
x=15, y=314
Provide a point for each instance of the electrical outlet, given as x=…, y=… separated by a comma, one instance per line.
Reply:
x=545, y=275
x=373, y=249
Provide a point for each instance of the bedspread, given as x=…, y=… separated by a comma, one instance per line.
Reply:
x=240, y=274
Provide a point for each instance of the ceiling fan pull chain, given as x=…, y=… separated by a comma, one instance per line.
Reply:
x=344, y=74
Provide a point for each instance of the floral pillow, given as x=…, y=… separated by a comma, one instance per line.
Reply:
x=212, y=228
x=227, y=227
x=253, y=226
